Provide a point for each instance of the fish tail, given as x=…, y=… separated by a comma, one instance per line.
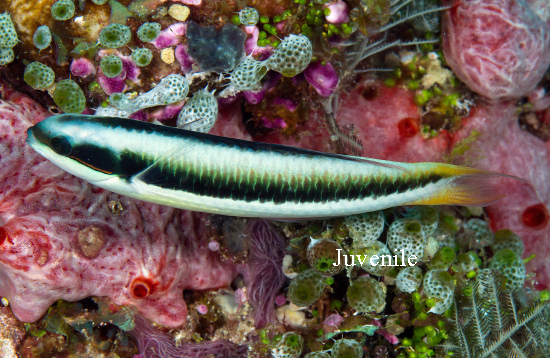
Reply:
x=466, y=187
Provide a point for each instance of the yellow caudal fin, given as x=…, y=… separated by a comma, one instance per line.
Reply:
x=467, y=187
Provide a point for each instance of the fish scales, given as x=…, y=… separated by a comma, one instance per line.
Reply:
x=213, y=174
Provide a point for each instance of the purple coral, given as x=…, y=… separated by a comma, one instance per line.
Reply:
x=153, y=343
x=265, y=264
x=322, y=77
x=170, y=36
x=186, y=62
x=82, y=67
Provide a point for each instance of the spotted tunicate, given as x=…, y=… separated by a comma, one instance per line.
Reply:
x=438, y=284
x=39, y=76
x=62, y=10
x=248, y=74
x=347, y=348
x=111, y=66
x=477, y=234
x=365, y=228
x=149, y=31
x=306, y=288
x=8, y=35
x=380, y=255
x=408, y=279
x=142, y=56
x=290, y=345
x=114, y=35
x=199, y=113
x=291, y=56
x=506, y=239
x=6, y=55
x=427, y=216
x=443, y=259
x=42, y=37
x=366, y=295
x=510, y=266
x=69, y=97
x=407, y=235
x=322, y=256
x=249, y=16
x=119, y=101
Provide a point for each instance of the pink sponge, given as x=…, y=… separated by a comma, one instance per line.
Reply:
x=62, y=238
x=499, y=48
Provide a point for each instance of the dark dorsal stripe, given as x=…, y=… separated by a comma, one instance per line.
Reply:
x=262, y=188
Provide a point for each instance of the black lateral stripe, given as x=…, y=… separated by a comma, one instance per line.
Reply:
x=280, y=190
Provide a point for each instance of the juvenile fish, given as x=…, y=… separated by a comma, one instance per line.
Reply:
x=202, y=172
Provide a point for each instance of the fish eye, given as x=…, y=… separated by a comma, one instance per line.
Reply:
x=61, y=146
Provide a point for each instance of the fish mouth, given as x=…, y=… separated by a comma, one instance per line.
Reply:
x=31, y=139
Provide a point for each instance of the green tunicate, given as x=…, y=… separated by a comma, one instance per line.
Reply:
x=366, y=295
x=115, y=35
x=8, y=35
x=443, y=259
x=510, y=266
x=69, y=97
x=290, y=345
x=111, y=65
x=347, y=348
x=306, y=288
x=39, y=76
x=42, y=37
x=62, y=10
x=99, y=2
x=506, y=239
x=438, y=284
x=142, y=56
x=6, y=55
x=249, y=16
x=148, y=32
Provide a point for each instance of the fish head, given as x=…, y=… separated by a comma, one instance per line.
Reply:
x=71, y=142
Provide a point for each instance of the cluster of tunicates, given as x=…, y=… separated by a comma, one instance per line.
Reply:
x=289, y=58
x=199, y=113
x=438, y=284
x=290, y=345
x=38, y=76
x=322, y=256
x=365, y=294
x=8, y=39
x=506, y=239
x=365, y=228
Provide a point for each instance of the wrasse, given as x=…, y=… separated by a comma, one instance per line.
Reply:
x=202, y=172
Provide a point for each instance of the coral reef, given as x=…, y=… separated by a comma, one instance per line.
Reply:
x=99, y=274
